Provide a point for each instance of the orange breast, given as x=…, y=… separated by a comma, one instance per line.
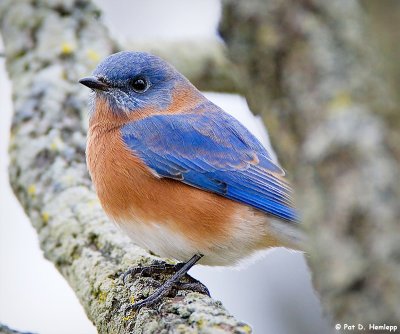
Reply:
x=126, y=187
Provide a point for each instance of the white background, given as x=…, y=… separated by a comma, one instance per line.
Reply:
x=273, y=294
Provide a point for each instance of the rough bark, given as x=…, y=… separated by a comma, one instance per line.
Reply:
x=306, y=66
x=49, y=45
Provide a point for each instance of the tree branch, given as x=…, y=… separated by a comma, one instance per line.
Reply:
x=49, y=45
x=307, y=68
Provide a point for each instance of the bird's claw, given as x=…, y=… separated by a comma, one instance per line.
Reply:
x=129, y=272
x=194, y=286
x=164, y=290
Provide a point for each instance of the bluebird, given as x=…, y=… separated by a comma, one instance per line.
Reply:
x=180, y=176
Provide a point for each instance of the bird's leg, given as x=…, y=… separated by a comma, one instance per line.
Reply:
x=164, y=289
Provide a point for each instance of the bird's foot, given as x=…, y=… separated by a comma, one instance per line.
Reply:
x=169, y=288
x=174, y=283
x=159, y=268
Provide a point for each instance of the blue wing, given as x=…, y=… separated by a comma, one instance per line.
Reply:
x=214, y=152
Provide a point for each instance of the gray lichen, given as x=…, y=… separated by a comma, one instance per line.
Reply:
x=49, y=45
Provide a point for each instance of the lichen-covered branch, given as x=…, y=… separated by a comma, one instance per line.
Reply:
x=49, y=45
x=306, y=66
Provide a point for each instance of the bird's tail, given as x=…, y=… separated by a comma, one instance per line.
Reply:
x=290, y=234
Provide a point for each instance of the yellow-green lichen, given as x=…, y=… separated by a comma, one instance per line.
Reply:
x=200, y=323
x=181, y=328
x=171, y=261
x=268, y=35
x=94, y=202
x=45, y=217
x=67, y=48
x=247, y=329
x=93, y=55
x=69, y=179
x=340, y=100
x=128, y=317
x=102, y=296
x=56, y=144
x=32, y=190
x=76, y=253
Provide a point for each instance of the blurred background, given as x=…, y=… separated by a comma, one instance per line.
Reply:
x=273, y=293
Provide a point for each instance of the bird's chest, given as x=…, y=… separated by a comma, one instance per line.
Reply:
x=120, y=179
x=136, y=200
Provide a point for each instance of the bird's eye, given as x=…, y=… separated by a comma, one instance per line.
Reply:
x=102, y=79
x=140, y=85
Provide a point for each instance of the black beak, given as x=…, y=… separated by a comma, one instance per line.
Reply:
x=94, y=83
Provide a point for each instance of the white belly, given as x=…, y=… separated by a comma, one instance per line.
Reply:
x=242, y=242
x=159, y=239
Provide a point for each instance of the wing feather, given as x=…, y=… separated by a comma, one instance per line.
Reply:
x=212, y=151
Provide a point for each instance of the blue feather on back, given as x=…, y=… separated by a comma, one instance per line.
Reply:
x=212, y=151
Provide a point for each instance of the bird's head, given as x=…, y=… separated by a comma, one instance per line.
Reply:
x=131, y=81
